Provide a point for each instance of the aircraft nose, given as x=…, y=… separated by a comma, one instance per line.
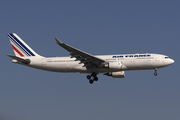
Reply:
x=171, y=61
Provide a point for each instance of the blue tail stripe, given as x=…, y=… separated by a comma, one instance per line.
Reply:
x=22, y=45
x=22, y=50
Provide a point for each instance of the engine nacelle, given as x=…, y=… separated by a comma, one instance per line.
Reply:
x=120, y=74
x=114, y=65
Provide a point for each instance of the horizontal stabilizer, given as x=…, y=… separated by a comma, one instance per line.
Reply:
x=25, y=61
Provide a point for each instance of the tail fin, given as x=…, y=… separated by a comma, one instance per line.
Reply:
x=21, y=49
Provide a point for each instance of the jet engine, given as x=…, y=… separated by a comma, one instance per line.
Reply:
x=114, y=65
x=120, y=74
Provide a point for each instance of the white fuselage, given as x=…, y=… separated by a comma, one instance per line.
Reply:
x=124, y=61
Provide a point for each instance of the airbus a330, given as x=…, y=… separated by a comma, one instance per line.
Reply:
x=82, y=62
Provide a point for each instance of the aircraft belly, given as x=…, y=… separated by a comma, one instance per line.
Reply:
x=158, y=64
x=57, y=66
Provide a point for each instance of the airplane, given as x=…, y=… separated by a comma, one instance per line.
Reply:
x=82, y=62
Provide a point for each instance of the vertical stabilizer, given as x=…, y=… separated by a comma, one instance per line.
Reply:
x=21, y=49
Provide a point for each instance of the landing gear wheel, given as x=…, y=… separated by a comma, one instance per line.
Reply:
x=95, y=79
x=93, y=74
x=91, y=81
x=155, y=73
x=88, y=77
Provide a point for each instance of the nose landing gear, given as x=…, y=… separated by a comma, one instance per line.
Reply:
x=155, y=73
x=95, y=78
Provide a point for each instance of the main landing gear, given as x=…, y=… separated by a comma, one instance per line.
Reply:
x=94, y=76
x=155, y=73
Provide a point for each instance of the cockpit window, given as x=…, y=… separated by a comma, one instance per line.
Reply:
x=166, y=57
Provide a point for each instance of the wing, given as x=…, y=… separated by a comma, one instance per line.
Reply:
x=88, y=59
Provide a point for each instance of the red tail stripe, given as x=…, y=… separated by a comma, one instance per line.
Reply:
x=18, y=51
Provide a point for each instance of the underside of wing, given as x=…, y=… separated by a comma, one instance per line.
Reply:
x=88, y=59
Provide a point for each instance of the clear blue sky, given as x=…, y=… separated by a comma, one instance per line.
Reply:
x=97, y=27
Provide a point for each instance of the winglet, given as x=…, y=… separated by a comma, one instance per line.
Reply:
x=58, y=41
